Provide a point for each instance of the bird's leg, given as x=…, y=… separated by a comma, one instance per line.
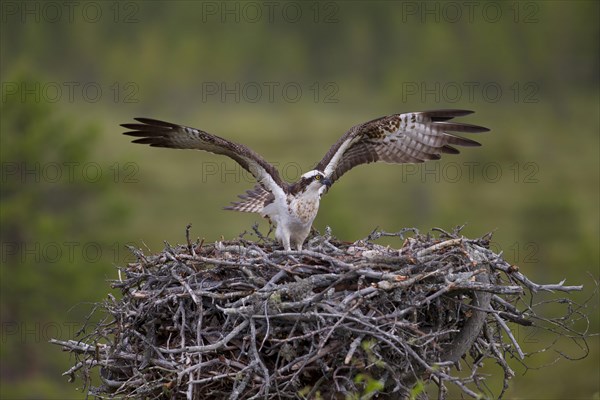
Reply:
x=285, y=241
x=294, y=259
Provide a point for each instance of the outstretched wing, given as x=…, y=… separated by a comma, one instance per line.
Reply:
x=399, y=138
x=165, y=134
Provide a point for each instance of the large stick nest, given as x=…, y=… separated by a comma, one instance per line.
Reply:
x=242, y=319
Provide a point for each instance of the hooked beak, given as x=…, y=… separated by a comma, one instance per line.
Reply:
x=327, y=182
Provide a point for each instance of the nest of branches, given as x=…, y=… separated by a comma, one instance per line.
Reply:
x=243, y=319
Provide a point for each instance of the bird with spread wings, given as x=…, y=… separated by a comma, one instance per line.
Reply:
x=412, y=137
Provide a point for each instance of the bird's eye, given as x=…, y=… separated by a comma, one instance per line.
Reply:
x=318, y=177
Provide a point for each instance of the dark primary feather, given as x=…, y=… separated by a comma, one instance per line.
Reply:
x=445, y=115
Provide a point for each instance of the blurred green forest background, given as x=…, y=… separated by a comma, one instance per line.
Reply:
x=287, y=79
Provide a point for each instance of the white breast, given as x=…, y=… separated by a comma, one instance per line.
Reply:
x=293, y=217
x=304, y=209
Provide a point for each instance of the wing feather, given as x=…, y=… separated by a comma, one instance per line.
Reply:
x=254, y=200
x=398, y=139
x=165, y=134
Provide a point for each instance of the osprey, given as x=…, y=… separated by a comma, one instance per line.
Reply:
x=400, y=138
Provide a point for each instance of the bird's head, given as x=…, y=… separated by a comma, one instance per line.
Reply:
x=314, y=180
x=316, y=177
